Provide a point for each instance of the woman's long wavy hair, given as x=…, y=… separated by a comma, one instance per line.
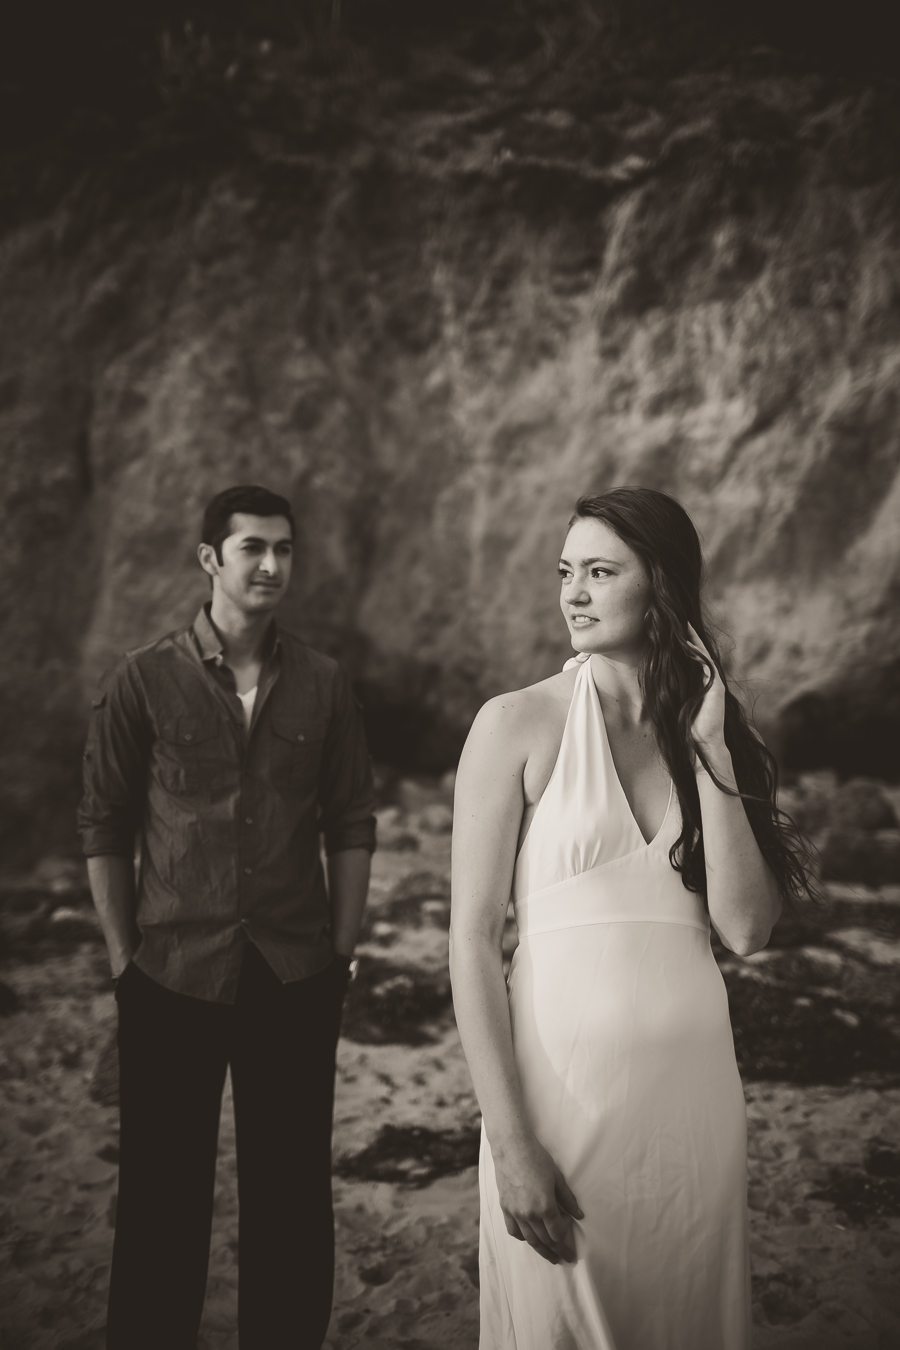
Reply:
x=674, y=681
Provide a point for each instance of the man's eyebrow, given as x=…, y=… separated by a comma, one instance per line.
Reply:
x=256, y=539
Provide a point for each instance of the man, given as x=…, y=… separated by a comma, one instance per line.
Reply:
x=227, y=747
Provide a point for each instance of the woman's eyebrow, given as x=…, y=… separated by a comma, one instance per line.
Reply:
x=586, y=562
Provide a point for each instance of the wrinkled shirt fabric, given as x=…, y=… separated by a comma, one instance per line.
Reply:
x=228, y=817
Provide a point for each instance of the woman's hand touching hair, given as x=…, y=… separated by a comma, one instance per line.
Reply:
x=708, y=726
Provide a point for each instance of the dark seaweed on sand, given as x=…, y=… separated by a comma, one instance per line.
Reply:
x=867, y=1193
x=396, y=1004
x=413, y=1155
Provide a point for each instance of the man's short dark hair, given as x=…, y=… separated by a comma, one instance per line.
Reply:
x=252, y=501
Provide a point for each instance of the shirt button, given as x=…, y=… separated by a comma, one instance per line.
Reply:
x=244, y=923
x=188, y=736
x=249, y=820
x=301, y=737
x=247, y=871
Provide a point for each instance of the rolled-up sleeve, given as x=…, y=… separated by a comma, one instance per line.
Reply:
x=115, y=764
x=346, y=790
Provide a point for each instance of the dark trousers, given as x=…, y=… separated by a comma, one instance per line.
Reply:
x=280, y=1041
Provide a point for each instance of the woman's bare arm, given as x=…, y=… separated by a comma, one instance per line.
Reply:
x=744, y=899
x=488, y=811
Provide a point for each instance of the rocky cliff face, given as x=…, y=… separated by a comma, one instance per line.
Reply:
x=434, y=323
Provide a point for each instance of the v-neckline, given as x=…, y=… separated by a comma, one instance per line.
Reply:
x=646, y=843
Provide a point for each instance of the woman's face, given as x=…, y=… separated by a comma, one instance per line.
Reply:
x=605, y=591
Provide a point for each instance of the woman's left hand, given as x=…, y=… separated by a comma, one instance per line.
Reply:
x=708, y=728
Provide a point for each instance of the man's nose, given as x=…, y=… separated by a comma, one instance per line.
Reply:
x=269, y=563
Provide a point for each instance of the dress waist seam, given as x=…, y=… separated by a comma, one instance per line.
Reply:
x=537, y=931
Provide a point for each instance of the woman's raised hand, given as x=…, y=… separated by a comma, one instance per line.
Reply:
x=537, y=1205
x=709, y=725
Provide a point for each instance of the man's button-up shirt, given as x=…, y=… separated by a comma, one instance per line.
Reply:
x=229, y=818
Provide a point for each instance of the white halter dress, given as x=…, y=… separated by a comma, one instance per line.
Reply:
x=624, y=1050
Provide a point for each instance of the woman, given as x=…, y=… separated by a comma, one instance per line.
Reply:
x=607, y=800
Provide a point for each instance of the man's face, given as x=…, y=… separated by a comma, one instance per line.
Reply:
x=256, y=562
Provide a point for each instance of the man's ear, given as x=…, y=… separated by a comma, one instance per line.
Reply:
x=208, y=560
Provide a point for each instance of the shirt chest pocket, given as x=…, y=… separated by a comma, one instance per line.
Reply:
x=194, y=756
x=296, y=755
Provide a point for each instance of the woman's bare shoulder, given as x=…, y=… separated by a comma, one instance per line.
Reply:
x=522, y=711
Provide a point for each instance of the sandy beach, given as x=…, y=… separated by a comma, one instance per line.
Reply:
x=815, y=1016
